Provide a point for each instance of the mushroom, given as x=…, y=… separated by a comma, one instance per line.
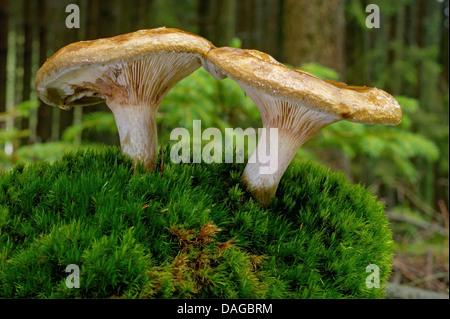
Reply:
x=298, y=105
x=131, y=72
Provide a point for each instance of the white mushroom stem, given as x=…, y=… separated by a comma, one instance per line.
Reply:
x=137, y=132
x=295, y=125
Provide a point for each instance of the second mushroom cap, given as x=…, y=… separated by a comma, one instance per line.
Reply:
x=295, y=103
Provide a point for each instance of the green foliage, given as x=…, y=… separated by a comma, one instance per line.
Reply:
x=219, y=104
x=100, y=122
x=394, y=148
x=22, y=110
x=411, y=65
x=11, y=135
x=320, y=71
x=191, y=232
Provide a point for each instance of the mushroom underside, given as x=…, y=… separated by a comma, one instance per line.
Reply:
x=294, y=124
x=133, y=90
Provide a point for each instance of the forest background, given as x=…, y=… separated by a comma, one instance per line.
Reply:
x=406, y=166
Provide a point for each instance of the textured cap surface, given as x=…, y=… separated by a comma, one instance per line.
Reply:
x=260, y=71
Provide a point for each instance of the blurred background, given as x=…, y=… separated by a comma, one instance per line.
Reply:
x=406, y=166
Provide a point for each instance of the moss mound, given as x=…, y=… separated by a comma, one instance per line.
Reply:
x=191, y=232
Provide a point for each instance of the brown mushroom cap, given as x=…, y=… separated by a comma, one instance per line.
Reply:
x=261, y=72
x=297, y=104
x=59, y=81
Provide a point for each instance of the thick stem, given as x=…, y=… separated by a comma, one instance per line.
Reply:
x=137, y=132
x=263, y=173
x=296, y=124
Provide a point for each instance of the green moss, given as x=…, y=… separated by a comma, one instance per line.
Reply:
x=191, y=232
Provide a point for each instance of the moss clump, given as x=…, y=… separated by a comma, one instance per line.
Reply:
x=191, y=232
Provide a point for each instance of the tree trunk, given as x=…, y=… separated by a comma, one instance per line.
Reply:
x=314, y=32
x=18, y=27
x=216, y=20
x=225, y=22
x=204, y=9
x=99, y=25
x=28, y=8
x=444, y=47
x=245, y=28
x=431, y=98
x=356, y=46
x=44, y=124
x=269, y=23
x=4, y=15
x=62, y=37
